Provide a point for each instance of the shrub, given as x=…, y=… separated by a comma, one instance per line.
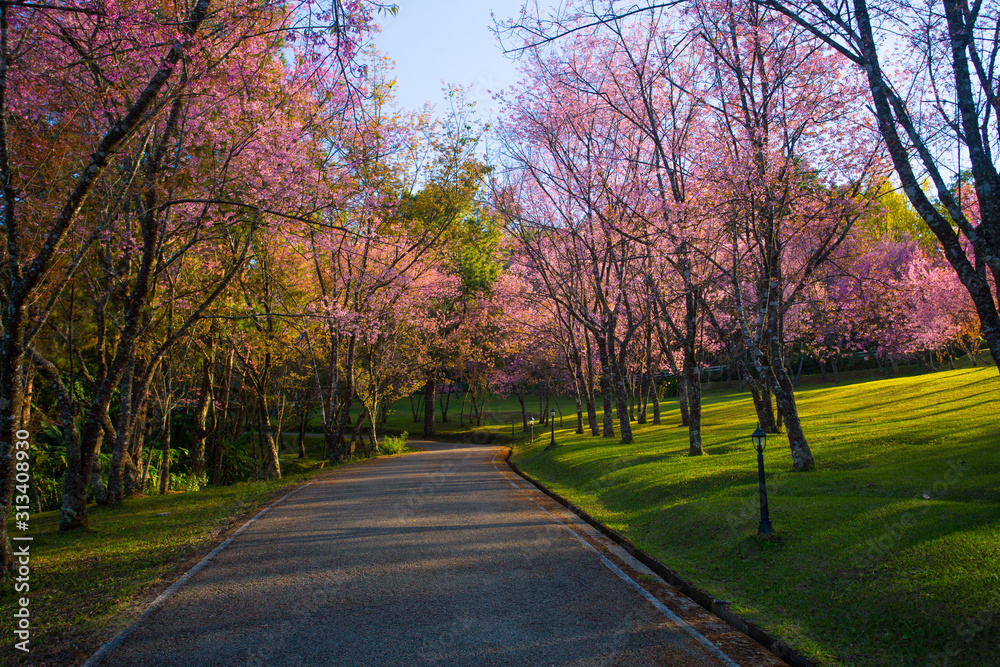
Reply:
x=394, y=444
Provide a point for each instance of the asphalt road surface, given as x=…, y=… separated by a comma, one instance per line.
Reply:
x=442, y=557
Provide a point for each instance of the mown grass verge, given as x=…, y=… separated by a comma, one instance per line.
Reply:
x=889, y=552
x=86, y=585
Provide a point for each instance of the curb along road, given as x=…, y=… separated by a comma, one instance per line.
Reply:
x=719, y=608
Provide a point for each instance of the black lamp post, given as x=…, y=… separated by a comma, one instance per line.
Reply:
x=552, y=420
x=532, y=422
x=759, y=439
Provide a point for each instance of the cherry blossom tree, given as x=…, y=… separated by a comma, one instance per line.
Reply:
x=122, y=107
x=937, y=108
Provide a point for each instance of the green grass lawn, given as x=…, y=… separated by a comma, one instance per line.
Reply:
x=889, y=552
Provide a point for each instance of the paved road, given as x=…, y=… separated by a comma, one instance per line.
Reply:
x=434, y=558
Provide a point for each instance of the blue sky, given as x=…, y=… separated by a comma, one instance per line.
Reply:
x=446, y=40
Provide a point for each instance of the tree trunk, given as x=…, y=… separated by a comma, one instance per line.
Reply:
x=762, y=404
x=692, y=374
x=802, y=458
x=205, y=397
x=116, y=482
x=429, y=404
x=97, y=472
x=682, y=399
x=545, y=410
x=620, y=396
x=357, y=437
x=692, y=387
x=461, y=412
x=444, y=399
x=269, y=451
x=606, y=385
x=524, y=411
x=642, y=401
x=656, y=402
x=589, y=383
x=343, y=413
x=220, y=423
x=374, y=445
x=147, y=437
x=579, y=409
x=165, y=438
x=303, y=417
x=134, y=483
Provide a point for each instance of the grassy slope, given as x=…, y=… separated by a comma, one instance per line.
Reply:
x=867, y=571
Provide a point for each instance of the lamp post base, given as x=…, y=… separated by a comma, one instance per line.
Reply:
x=765, y=527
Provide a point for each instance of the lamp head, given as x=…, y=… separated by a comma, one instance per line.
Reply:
x=759, y=439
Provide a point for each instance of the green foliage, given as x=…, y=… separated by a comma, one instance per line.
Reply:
x=237, y=460
x=897, y=220
x=394, y=444
x=291, y=465
x=667, y=387
x=474, y=248
x=48, y=465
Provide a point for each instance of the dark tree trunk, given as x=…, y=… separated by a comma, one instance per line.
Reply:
x=692, y=374
x=784, y=396
x=524, y=411
x=444, y=399
x=762, y=403
x=165, y=440
x=606, y=387
x=218, y=445
x=303, y=417
x=621, y=397
x=116, y=482
x=657, y=420
x=97, y=471
x=589, y=380
x=692, y=387
x=205, y=397
x=682, y=399
x=269, y=450
x=357, y=438
x=343, y=413
x=133, y=474
x=429, y=405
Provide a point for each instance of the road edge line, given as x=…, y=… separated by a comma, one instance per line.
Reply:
x=109, y=646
